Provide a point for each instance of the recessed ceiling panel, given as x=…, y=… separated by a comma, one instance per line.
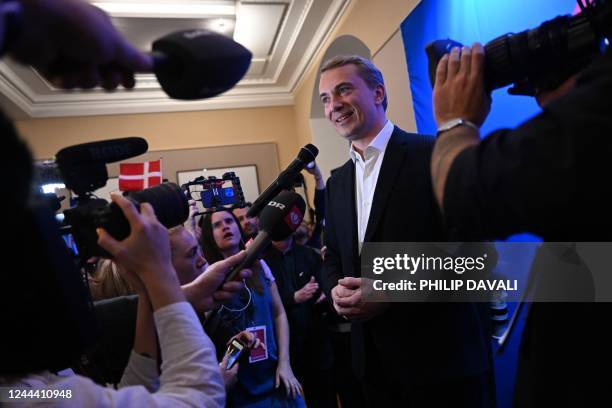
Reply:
x=142, y=32
x=257, y=26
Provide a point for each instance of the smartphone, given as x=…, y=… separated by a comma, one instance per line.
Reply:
x=233, y=352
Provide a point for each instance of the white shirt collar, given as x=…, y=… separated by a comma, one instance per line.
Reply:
x=377, y=145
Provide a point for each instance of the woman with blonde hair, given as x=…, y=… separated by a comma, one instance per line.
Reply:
x=107, y=282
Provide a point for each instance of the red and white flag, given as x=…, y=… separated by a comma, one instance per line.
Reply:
x=138, y=176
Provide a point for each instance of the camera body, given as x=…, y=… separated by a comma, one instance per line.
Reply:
x=82, y=168
x=167, y=199
x=214, y=193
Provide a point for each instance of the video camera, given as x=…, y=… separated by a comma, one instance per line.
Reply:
x=542, y=58
x=83, y=170
x=215, y=194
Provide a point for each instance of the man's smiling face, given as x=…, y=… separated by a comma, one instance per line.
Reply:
x=349, y=103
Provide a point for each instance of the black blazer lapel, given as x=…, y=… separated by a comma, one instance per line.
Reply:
x=351, y=218
x=395, y=155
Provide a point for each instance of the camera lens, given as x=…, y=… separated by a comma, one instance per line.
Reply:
x=168, y=200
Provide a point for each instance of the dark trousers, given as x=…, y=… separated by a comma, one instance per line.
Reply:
x=318, y=388
x=346, y=384
x=470, y=392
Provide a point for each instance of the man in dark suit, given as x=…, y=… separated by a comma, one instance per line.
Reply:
x=424, y=355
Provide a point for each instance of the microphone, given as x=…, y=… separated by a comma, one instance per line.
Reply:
x=105, y=151
x=198, y=64
x=278, y=220
x=284, y=180
x=83, y=167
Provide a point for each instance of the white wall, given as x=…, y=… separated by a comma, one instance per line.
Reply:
x=333, y=148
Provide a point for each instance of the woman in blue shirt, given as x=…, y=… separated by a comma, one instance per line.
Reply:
x=260, y=310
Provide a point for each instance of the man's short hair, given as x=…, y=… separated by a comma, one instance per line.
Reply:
x=365, y=68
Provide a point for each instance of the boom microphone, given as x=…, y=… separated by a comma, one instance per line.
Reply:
x=284, y=181
x=105, y=151
x=83, y=167
x=278, y=220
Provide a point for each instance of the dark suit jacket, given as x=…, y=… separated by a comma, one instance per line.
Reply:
x=309, y=343
x=409, y=343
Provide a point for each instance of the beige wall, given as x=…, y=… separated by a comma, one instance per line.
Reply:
x=165, y=131
x=392, y=63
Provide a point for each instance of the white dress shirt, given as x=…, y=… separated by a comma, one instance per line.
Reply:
x=366, y=176
x=190, y=374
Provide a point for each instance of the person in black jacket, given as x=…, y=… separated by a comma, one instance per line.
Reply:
x=297, y=271
x=550, y=167
x=418, y=355
x=311, y=234
x=547, y=177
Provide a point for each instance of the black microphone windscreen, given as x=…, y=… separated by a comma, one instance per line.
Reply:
x=105, y=151
x=308, y=153
x=197, y=64
x=285, y=180
x=283, y=215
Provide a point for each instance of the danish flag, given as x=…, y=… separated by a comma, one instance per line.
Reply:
x=138, y=176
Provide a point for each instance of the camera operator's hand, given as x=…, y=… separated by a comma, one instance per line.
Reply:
x=459, y=90
x=146, y=252
x=206, y=293
x=74, y=44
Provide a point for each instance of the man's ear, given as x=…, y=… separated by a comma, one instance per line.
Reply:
x=379, y=94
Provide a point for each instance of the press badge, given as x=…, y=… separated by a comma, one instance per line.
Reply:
x=260, y=353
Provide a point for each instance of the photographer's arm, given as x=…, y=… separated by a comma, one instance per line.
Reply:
x=142, y=365
x=189, y=374
x=319, y=207
x=447, y=148
x=145, y=252
x=207, y=291
x=542, y=177
x=459, y=93
x=316, y=173
x=145, y=342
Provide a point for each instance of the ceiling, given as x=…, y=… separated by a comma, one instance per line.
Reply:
x=283, y=36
